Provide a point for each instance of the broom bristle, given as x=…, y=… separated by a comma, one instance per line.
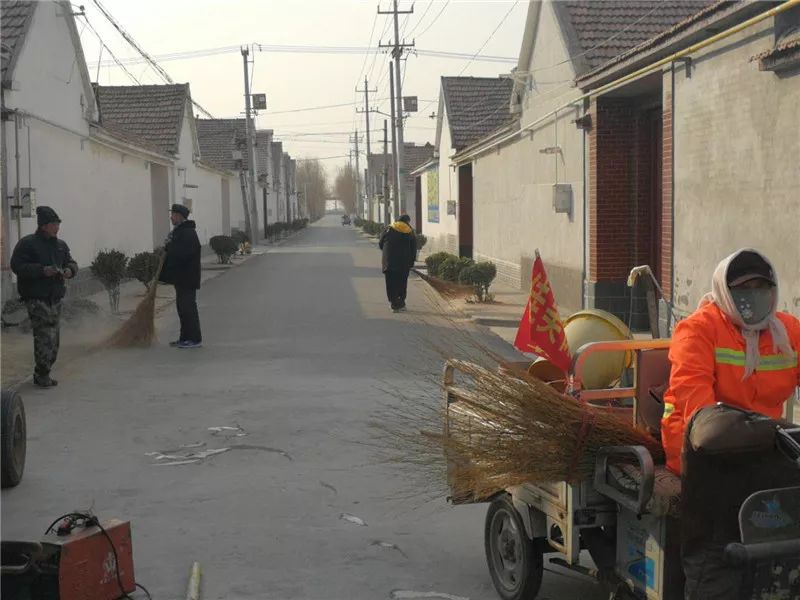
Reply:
x=140, y=328
x=505, y=431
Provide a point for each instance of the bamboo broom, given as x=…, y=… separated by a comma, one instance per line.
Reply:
x=139, y=330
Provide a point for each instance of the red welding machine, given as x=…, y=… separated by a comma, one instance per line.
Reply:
x=79, y=561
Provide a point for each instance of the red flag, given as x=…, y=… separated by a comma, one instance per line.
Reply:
x=540, y=330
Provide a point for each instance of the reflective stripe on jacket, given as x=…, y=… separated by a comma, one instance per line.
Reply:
x=707, y=357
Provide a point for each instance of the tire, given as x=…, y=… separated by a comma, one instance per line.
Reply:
x=12, y=439
x=516, y=562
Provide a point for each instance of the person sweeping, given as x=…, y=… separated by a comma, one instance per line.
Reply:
x=182, y=270
x=399, y=247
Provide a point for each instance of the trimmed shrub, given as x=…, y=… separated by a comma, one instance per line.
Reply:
x=224, y=247
x=421, y=241
x=143, y=267
x=110, y=267
x=434, y=261
x=451, y=268
x=480, y=276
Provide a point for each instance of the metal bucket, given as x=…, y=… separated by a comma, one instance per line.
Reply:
x=593, y=325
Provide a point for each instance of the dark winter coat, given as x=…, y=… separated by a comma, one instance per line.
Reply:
x=182, y=262
x=31, y=255
x=399, y=246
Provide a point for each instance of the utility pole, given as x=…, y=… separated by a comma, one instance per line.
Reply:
x=366, y=112
x=358, y=180
x=398, y=48
x=385, y=174
x=397, y=209
x=251, y=221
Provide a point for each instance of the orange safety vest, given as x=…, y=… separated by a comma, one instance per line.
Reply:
x=707, y=354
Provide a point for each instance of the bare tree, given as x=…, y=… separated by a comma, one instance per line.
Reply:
x=344, y=187
x=312, y=182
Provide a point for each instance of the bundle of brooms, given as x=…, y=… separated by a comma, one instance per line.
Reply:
x=505, y=430
x=140, y=328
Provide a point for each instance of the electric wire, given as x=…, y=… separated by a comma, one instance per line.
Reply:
x=491, y=35
x=436, y=18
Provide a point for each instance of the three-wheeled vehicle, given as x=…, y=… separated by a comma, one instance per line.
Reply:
x=13, y=438
x=632, y=502
x=345, y=220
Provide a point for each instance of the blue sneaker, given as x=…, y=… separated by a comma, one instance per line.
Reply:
x=188, y=344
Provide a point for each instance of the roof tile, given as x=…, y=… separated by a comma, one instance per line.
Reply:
x=607, y=28
x=15, y=17
x=153, y=113
x=476, y=106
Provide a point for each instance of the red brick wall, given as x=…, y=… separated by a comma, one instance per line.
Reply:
x=611, y=145
x=623, y=186
x=666, y=193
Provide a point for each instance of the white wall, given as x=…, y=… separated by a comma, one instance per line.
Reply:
x=444, y=234
x=101, y=194
x=737, y=166
x=513, y=184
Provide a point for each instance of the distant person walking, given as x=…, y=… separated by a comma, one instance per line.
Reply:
x=42, y=263
x=182, y=269
x=399, y=246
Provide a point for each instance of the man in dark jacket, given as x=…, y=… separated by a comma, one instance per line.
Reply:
x=399, y=246
x=42, y=263
x=182, y=269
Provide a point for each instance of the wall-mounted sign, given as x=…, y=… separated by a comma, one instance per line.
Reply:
x=259, y=102
x=433, y=196
x=451, y=207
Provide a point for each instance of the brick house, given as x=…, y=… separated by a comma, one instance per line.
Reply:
x=659, y=157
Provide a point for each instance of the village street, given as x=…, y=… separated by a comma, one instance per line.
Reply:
x=301, y=353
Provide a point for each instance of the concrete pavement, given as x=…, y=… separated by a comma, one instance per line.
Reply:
x=302, y=354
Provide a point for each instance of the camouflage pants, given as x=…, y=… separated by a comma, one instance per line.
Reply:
x=45, y=318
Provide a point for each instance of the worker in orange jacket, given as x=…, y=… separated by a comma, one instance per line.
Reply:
x=735, y=349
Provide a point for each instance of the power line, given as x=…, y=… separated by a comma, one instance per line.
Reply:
x=149, y=59
x=427, y=9
x=436, y=18
x=369, y=44
x=491, y=35
x=113, y=56
x=331, y=50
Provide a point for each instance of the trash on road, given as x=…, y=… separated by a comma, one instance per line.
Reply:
x=411, y=595
x=352, y=519
x=388, y=546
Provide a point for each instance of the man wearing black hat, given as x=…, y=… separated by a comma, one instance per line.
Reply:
x=182, y=269
x=42, y=263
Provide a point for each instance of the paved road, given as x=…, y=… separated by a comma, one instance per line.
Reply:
x=303, y=353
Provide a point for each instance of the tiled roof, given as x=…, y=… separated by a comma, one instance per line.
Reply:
x=218, y=138
x=414, y=156
x=263, y=140
x=277, y=155
x=15, y=18
x=153, y=113
x=606, y=29
x=476, y=106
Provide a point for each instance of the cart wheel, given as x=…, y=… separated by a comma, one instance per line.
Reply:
x=515, y=561
x=12, y=438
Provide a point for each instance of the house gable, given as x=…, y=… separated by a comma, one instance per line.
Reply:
x=46, y=61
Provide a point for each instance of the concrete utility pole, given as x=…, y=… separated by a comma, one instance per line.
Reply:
x=385, y=174
x=251, y=159
x=397, y=210
x=358, y=181
x=366, y=111
x=398, y=49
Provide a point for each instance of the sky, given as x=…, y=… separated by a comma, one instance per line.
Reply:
x=214, y=30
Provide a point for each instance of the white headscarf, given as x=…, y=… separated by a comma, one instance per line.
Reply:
x=720, y=295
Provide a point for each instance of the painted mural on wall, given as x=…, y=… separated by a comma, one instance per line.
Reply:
x=433, y=196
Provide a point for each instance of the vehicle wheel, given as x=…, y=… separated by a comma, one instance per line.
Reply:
x=515, y=561
x=12, y=438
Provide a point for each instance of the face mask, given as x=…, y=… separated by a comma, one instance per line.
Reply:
x=754, y=305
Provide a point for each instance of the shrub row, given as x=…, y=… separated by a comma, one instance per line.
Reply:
x=465, y=271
